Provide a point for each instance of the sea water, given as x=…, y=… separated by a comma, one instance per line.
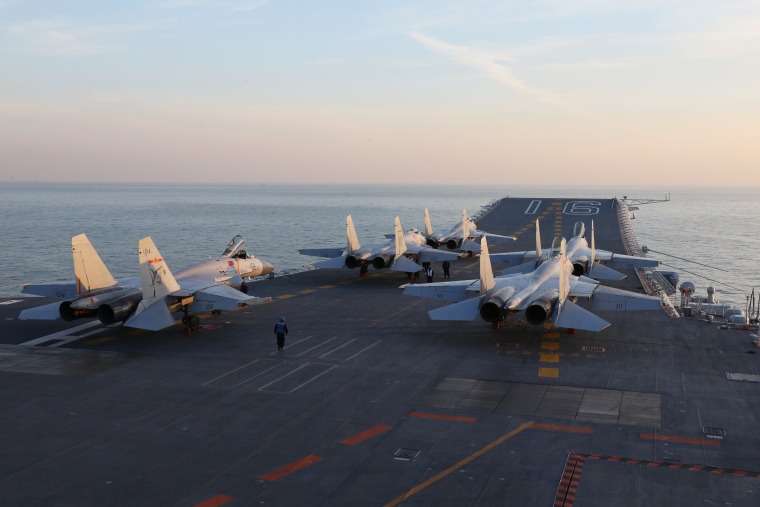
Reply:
x=709, y=235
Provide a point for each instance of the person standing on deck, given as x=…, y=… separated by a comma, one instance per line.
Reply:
x=281, y=331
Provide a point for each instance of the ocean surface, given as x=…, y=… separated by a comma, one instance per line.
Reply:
x=710, y=235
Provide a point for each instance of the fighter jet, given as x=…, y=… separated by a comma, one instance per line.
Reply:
x=95, y=293
x=582, y=256
x=401, y=253
x=464, y=235
x=543, y=294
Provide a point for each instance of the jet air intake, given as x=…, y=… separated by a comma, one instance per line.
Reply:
x=382, y=261
x=493, y=310
x=541, y=308
x=119, y=309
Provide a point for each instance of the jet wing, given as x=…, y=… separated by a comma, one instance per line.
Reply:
x=629, y=261
x=443, y=291
x=608, y=298
x=52, y=290
x=431, y=254
x=323, y=252
x=223, y=297
x=333, y=263
x=498, y=238
x=506, y=260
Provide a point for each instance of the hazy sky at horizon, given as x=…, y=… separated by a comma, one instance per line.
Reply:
x=481, y=92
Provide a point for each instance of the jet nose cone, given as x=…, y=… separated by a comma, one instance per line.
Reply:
x=266, y=268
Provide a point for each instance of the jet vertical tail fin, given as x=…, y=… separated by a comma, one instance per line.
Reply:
x=592, y=261
x=465, y=227
x=152, y=312
x=90, y=271
x=539, y=252
x=564, y=272
x=352, y=240
x=400, y=261
x=486, y=272
x=157, y=281
x=400, y=244
x=428, y=226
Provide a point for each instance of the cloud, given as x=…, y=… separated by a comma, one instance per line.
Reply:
x=492, y=65
x=60, y=37
x=233, y=5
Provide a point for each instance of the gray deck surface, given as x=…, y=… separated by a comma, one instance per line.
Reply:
x=372, y=403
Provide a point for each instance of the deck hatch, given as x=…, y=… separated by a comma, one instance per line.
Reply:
x=711, y=432
x=404, y=454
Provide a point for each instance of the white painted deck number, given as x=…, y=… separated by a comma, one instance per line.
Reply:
x=571, y=207
x=581, y=208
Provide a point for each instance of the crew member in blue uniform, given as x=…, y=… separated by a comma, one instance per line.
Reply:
x=281, y=330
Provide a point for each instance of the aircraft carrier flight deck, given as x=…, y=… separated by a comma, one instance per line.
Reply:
x=371, y=403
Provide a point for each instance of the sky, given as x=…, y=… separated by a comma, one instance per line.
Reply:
x=585, y=92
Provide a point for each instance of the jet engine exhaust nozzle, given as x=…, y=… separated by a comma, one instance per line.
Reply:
x=381, y=262
x=453, y=244
x=494, y=309
x=539, y=311
x=68, y=314
x=351, y=262
x=119, y=309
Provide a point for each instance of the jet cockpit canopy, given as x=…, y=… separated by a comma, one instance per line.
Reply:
x=234, y=248
x=558, y=246
x=579, y=230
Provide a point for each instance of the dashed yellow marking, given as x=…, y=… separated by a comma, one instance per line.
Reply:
x=345, y=282
x=549, y=358
x=327, y=287
x=548, y=372
x=527, y=353
x=551, y=335
x=307, y=291
x=550, y=345
x=286, y=296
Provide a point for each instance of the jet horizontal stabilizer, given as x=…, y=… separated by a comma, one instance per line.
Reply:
x=602, y=272
x=334, y=263
x=405, y=264
x=437, y=255
x=152, y=315
x=470, y=246
x=573, y=316
x=464, y=310
x=50, y=311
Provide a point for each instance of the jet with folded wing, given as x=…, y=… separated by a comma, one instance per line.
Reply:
x=586, y=259
x=464, y=235
x=402, y=253
x=206, y=286
x=544, y=295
